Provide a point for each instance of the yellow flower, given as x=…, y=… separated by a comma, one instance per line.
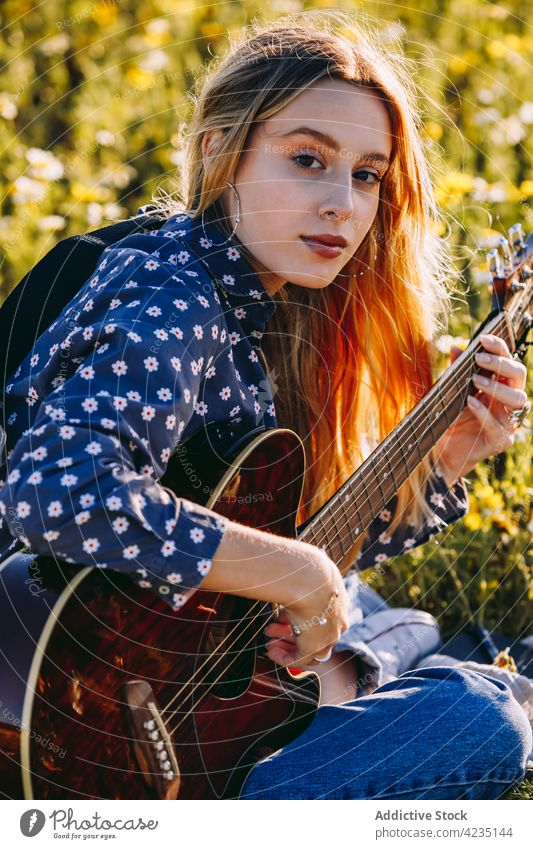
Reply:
x=453, y=186
x=496, y=50
x=139, y=78
x=493, y=502
x=514, y=42
x=473, y=521
x=457, y=65
x=104, y=13
x=157, y=32
x=504, y=522
x=211, y=28
x=483, y=491
x=526, y=188
x=89, y=194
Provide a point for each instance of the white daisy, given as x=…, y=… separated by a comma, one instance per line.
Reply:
x=197, y=535
x=23, y=509
x=55, y=509
x=90, y=545
x=120, y=525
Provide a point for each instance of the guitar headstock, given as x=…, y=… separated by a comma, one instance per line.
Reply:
x=512, y=281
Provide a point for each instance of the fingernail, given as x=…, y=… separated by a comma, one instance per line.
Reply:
x=485, y=337
x=473, y=401
x=482, y=381
x=483, y=358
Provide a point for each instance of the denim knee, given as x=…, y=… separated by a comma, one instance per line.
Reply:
x=494, y=732
x=432, y=733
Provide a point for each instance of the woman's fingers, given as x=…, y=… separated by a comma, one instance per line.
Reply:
x=285, y=649
x=503, y=366
x=281, y=657
x=512, y=398
x=278, y=629
x=512, y=370
x=282, y=645
x=494, y=345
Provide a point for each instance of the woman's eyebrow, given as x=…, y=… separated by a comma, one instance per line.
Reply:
x=332, y=143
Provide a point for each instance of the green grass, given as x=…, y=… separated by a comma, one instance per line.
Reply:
x=522, y=791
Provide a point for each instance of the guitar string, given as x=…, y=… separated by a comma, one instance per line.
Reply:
x=213, y=684
x=221, y=657
x=334, y=513
x=447, y=383
x=218, y=660
x=451, y=382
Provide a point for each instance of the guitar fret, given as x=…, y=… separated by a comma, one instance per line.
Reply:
x=432, y=416
x=403, y=456
x=377, y=476
x=415, y=443
x=356, y=517
x=323, y=530
x=310, y=535
x=336, y=539
x=444, y=405
x=347, y=497
x=391, y=476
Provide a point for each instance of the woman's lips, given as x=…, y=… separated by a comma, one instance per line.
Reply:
x=327, y=251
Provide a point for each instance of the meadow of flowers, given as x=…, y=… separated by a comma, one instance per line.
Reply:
x=93, y=101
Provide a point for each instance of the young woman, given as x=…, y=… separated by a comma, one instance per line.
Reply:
x=299, y=136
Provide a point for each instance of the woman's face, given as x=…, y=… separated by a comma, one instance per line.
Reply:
x=288, y=180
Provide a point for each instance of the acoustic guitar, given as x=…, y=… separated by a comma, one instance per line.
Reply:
x=106, y=693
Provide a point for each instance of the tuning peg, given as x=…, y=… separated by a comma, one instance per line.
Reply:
x=517, y=238
x=495, y=263
x=506, y=254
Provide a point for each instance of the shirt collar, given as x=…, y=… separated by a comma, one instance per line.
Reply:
x=225, y=263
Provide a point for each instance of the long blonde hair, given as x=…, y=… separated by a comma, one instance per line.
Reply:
x=353, y=358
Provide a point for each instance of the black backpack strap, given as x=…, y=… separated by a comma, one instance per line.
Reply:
x=47, y=288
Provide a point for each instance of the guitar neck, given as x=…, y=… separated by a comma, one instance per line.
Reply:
x=349, y=512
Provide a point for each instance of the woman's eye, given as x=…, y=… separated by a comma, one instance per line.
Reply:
x=375, y=177
x=304, y=156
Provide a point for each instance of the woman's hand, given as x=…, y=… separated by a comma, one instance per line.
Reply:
x=483, y=428
x=309, y=628
x=289, y=573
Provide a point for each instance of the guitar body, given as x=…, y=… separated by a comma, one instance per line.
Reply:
x=106, y=693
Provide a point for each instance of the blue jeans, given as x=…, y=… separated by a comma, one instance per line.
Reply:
x=432, y=733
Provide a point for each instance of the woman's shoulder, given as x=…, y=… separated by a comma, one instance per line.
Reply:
x=149, y=274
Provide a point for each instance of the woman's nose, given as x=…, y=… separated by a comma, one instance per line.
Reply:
x=339, y=200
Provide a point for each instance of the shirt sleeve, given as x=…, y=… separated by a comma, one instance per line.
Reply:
x=448, y=503
x=82, y=482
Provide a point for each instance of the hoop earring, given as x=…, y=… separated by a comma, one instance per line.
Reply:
x=359, y=273
x=237, y=219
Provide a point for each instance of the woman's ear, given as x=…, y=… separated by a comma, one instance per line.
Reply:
x=209, y=144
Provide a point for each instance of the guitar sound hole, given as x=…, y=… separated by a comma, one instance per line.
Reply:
x=231, y=645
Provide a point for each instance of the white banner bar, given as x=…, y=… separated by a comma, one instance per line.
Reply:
x=247, y=824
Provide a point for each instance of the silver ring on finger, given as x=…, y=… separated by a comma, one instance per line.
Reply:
x=516, y=417
x=324, y=659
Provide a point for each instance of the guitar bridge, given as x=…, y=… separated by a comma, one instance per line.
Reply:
x=151, y=741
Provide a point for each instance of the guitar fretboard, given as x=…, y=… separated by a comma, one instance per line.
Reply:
x=348, y=513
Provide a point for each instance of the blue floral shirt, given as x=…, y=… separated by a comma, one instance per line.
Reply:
x=163, y=339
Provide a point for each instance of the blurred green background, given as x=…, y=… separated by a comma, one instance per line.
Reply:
x=93, y=97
